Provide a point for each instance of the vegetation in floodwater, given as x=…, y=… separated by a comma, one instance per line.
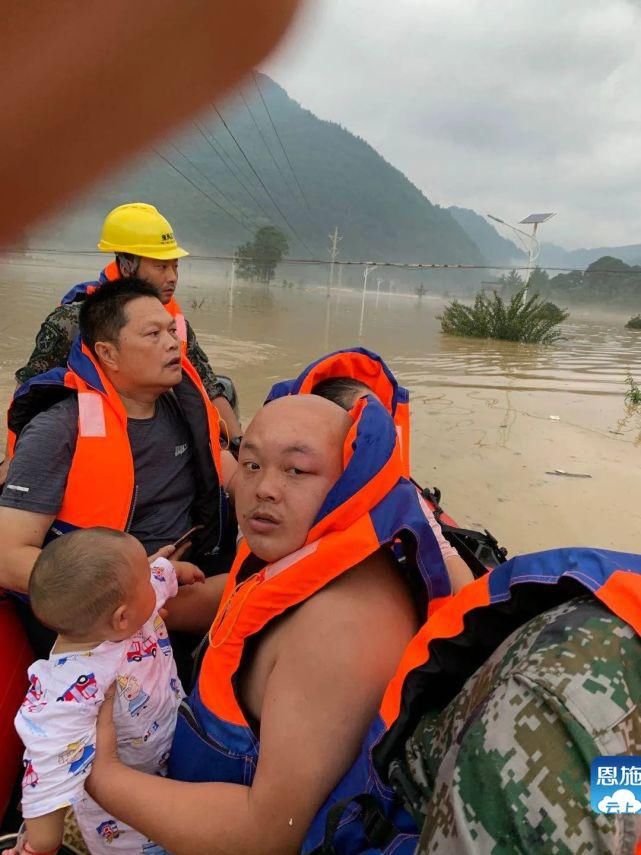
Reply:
x=518, y=319
x=257, y=260
x=634, y=323
x=633, y=395
x=554, y=312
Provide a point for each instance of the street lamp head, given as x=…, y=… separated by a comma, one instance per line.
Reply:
x=536, y=219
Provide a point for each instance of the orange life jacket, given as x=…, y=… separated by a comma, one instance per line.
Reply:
x=100, y=487
x=368, y=368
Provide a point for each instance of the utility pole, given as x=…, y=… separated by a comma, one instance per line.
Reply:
x=368, y=269
x=340, y=285
x=378, y=289
x=232, y=282
x=335, y=239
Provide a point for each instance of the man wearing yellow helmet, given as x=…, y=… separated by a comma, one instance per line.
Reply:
x=144, y=246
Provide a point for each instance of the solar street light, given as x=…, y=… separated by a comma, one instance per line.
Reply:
x=533, y=245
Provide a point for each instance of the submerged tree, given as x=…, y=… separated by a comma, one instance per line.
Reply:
x=259, y=258
x=634, y=323
x=492, y=317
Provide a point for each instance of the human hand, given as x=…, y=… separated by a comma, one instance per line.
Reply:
x=106, y=745
x=23, y=847
x=170, y=551
x=51, y=825
x=187, y=573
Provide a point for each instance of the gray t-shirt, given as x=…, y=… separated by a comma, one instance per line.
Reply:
x=162, y=451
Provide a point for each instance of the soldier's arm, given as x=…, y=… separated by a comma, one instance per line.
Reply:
x=53, y=343
x=198, y=358
x=517, y=780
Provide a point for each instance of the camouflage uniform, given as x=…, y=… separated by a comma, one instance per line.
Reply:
x=505, y=767
x=58, y=330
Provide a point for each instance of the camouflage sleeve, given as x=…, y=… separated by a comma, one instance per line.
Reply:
x=506, y=767
x=198, y=358
x=53, y=342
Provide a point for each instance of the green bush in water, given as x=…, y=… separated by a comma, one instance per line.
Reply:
x=634, y=323
x=633, y=395
x=530, y=320
x=554, y=312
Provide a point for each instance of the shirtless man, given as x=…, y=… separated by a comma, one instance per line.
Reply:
x=313, y=680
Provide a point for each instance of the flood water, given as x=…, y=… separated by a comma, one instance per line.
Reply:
x=481, y=410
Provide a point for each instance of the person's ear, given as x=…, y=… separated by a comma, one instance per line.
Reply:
x=107, y=354
x=119, y=619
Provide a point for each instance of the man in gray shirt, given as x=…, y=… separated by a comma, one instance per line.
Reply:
x=126, y=437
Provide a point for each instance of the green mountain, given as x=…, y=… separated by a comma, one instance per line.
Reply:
x=321, y=177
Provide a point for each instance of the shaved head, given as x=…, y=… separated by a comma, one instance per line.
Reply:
x=290, y=458
x=326, y=422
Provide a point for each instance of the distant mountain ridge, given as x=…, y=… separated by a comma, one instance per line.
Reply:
x=345, y=183
x=495, y=248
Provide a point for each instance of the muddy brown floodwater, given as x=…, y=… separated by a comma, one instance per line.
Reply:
x=490, y=419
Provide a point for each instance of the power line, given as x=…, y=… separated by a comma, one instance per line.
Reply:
x=302, y=192
x=200, y=190
x=314, y=221
x=263, y=185
x=266, y=144
x=310, y=262
x=212, y=144
x=211, y=183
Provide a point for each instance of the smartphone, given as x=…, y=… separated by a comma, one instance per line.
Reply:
x=187, y=536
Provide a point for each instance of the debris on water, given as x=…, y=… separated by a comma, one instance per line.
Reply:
x=291, y=821
x=568, y=474
x=555, y=418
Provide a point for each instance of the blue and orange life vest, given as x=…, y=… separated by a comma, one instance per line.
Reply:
x=110, y=273
x=100, y=487
x=371, y=505
x=366, y=367
x=455, y=641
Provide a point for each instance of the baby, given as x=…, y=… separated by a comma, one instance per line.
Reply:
x=95, y=588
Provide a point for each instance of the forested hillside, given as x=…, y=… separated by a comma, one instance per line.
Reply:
x=320, y=178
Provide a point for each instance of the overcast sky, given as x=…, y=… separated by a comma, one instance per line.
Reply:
x=506, y=106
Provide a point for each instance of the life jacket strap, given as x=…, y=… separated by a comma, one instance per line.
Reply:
x=378, y=829
x=411, y=796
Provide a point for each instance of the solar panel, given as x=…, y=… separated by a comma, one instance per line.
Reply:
x=537, y=218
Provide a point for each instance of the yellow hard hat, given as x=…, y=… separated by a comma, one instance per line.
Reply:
x=139, y=229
